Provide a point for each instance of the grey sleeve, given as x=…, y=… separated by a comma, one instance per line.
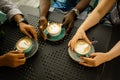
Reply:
x=9, y=8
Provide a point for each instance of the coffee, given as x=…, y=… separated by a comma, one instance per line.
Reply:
x=54, y=29
x=23, y=44
x=82, y=47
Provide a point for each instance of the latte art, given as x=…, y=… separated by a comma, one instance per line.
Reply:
x=82, y=47
x=54, y=29
x=23, y=44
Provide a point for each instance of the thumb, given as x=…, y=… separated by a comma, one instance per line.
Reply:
x=64, y=22
x=25, y=32
x=86, y=39
x=69, y=27
x=87, y=60
x=93, y=55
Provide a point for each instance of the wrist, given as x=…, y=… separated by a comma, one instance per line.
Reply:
x=80, y=29
x=109, y=56
x=76, y=11
x=42, y=17
x=72, y=13
x=22, y=20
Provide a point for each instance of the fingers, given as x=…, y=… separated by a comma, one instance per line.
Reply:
x=69, y=43
x=85, y=64
x=27, y=33
x=17, y=51
x=34, y=33
x=42, y=26
x=69, y=27
x=20, y=56
x=89, y=62
x=17, y=54
x=86, y=39
x=18, y=62
x=93, y=55
x=31, y=32
x=21, y=61
x=42, y=21
x=42, y=33
x=35, y=36
x=65, y=22
x=72, y=44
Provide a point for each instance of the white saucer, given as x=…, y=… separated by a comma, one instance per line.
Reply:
x=33, y=50
x=74, y=56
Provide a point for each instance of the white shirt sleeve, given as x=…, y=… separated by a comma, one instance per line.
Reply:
x=9, y=8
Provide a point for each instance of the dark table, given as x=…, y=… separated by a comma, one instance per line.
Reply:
x=51, y=61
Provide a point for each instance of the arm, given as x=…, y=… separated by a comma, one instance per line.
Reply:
x=98, y=58
x=114, y=52
x=102, y=8
x=99, y=12
x=82, y=5
x=13, y=13
x=44, y=7
x=9, y=8
x=25, y=28
x=71, y=15
x=12, y=59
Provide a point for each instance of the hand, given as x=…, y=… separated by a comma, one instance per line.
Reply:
x=68, y=20
x=28, y=30
x=42, y=24
x=95, y=59
x=79, y=35
x=13, y=59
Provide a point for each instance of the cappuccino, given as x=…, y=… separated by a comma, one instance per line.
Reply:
x=54, y=29
x=23, y=44
x=82, y=47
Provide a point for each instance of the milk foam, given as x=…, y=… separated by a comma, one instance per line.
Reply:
x=23, y=45
x=82, y=47
x=54, y=28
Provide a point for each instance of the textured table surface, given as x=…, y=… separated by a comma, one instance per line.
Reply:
x=51, y=61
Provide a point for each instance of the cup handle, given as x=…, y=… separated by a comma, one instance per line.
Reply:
x=87, y=56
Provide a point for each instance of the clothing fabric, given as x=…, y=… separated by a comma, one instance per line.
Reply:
x=115, y=14
x=67, y=5
x=64, y=5
x=9, y=8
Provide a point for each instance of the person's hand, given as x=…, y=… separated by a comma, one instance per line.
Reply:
x=13, y=59
x=79, y=35
x=42, y=24
x=68, y=20
x=28, y=30
x=95, y=59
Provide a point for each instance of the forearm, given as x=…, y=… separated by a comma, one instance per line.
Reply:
x=98, y=13
x=82, y=5
x=9, y=8
x=90, y=21
x=44, y=7
x=114, y=52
